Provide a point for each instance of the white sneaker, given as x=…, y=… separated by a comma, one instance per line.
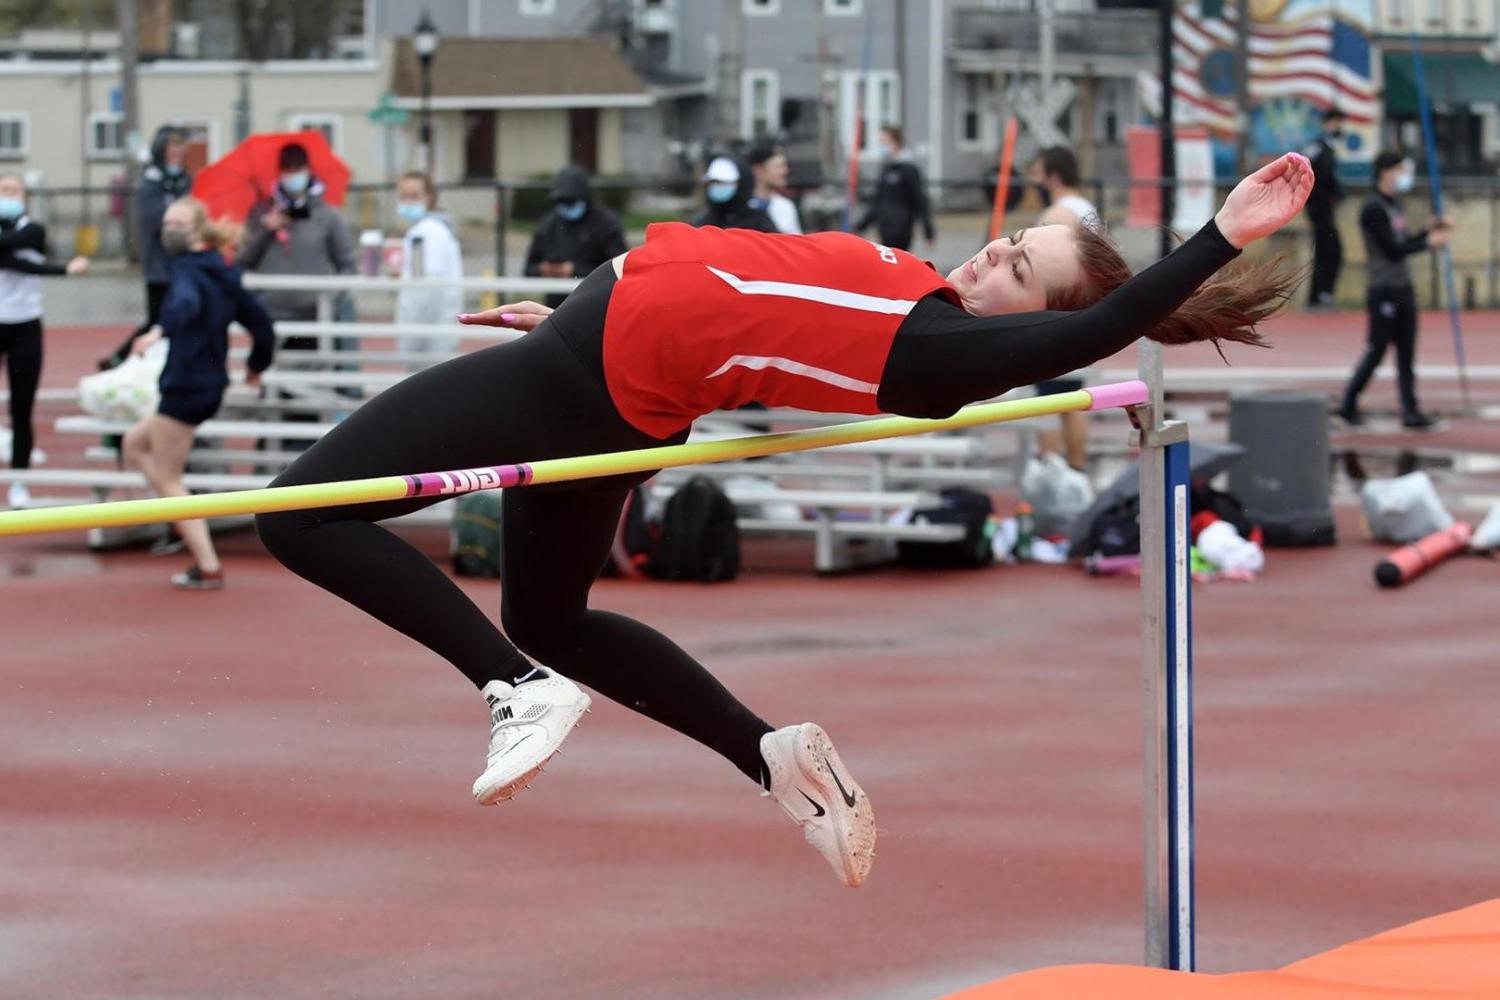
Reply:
x=20, y=496
x=528, y=723
x=812, y=786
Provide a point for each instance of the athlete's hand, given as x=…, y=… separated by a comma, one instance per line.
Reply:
x=515, y=316
x=1266, y=200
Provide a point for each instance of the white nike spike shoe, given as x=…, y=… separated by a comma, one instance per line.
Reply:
x=811, y=784
x=528, y=723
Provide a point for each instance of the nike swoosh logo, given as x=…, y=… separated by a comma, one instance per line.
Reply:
x=815, y=805
x=849, y=800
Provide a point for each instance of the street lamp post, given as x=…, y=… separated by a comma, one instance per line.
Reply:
x=424, y=42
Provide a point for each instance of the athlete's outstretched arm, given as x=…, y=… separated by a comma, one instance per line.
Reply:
x=944, y=358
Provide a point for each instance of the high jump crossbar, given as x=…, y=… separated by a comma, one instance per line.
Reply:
x=1166, y=623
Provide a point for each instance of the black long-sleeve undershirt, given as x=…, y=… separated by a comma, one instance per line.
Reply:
x=944, y=358
x=24, y=249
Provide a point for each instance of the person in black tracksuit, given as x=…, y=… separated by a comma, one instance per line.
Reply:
x=900, y=199
x=23, y=261
x=1328, y=249
x=576, y=236
x=1390, y=297
x=162, y=182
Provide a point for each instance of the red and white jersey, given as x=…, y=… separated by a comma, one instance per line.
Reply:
x=707, y=318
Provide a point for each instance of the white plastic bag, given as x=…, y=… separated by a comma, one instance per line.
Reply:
x=1487, y=535
x=1403, y=509
x=1057, y=493
x=128, y=392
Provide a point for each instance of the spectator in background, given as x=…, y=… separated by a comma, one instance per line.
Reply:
x=576, y=236
x=163, y=181
x=203, y=297
x=23, y=260
x=900, y=197
x=1328, y=249
x=1054, y=172
x=431, y=250
x=1390, y=298
x=295, y=232
x=769, y=170
x=727, y=189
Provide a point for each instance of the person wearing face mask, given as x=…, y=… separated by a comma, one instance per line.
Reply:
x=23, y=262
x=295, y=232
x=204, y=295
x=576, y=236
x=1328, y=249
x=727, y=190
x=900, y=199
x=1389, y=297
x=163, y=181
x=431, y=250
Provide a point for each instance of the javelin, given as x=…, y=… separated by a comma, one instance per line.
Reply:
x=120, y=513
x=1445, y=255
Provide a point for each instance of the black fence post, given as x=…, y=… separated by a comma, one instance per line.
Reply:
x=502, y=216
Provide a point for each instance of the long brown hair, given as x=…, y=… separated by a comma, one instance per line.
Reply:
x=1227, y=306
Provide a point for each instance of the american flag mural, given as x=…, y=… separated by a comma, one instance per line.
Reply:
x=1304, y=57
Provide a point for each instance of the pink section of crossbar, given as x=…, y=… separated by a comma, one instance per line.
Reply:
x=1105, y=397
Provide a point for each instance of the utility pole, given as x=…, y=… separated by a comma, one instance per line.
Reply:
x=1242, y=88
x=1165, y=12
x=731, y=60
x=901, y=83
x=130, y=111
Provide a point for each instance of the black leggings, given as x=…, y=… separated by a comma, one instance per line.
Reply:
x=21, y=343
x=1393, y=319
x=542, y=396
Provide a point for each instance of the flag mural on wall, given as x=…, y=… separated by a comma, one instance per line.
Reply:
x=1305, y=57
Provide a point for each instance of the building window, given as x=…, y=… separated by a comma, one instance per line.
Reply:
x=756, y=7
x=331, y=126
x=760, y=103
x=15, y=135
x=538, y=8
x=843, y=8
x=1435, y=12
x=975, y=112
x=868, y=101
x=106, y=138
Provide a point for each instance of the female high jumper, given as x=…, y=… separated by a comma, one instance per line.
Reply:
x=693, y=321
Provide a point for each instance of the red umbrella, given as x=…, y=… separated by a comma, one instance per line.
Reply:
x=232, y=184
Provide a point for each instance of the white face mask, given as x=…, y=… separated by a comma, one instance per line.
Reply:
x=1405, y=181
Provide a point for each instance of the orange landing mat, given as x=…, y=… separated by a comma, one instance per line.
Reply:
x=1453, y=955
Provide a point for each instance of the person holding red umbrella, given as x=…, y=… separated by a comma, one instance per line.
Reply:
x=294, y=231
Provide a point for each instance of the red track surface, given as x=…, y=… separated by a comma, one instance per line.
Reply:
x=261, y=793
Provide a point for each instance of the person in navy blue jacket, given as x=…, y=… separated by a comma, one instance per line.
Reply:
x=204, y=296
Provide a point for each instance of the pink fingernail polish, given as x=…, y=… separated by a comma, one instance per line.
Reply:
x=508, y=317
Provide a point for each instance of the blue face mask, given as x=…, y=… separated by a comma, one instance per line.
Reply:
x=1405, y=181
x=572, y=210
x=294, y=184
x=11, y=208
x=720, y=192
x=411, y=211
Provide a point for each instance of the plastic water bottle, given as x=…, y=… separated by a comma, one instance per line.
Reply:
x=1025, y=532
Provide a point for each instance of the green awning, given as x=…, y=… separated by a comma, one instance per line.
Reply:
x=1453, y=78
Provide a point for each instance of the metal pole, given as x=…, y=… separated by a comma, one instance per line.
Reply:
x=130, y=114
x=1168, y=138
x=1242, y=87
x=426, y=126
x=1166, y=678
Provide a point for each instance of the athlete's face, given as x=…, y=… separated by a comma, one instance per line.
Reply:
x=1015, y=273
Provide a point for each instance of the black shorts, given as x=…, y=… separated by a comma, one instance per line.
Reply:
x=192, y=408
x=1053, y=386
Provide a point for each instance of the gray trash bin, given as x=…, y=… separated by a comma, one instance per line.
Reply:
x=1283, y=478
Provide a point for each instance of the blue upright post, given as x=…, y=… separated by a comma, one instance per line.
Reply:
x=1178, y=620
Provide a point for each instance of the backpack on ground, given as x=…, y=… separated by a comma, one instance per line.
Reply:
x=474, y=535
x=699, y=538
x=967, y=507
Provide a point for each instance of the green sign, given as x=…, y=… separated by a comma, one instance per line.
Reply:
x=386, y=113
